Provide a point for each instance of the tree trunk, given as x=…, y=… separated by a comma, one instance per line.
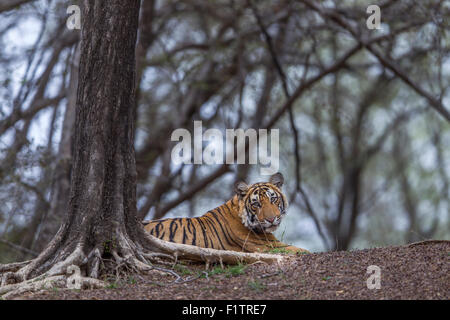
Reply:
x=102, y=205
x=103, y=188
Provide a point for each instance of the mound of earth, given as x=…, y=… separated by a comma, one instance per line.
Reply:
x=417, y=271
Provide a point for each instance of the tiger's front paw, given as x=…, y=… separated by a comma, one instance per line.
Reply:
x=297, y=251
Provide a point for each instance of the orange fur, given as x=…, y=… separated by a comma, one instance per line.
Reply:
x=240, y=224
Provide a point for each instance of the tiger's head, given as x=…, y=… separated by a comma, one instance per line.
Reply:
x=262, y=205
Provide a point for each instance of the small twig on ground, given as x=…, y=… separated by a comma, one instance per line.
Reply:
x=423, y=242
x=267, y=275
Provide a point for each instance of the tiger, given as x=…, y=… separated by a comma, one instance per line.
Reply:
x=244, y=223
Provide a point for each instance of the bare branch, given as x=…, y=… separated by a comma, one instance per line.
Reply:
x=332, y=15
x=8, y=5
x=18, y=248
x=200, y=185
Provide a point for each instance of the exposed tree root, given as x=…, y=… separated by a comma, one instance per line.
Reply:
x=212, y=255
x=47, y=283
x=32, y=285
x=12, y=267
x=77, y=270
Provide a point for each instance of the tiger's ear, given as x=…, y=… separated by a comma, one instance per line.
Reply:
x=241, y=189
x=277, y=179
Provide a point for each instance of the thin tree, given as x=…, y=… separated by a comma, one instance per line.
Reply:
x=101, y=223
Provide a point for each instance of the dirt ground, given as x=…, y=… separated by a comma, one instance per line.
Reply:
x=418, y=271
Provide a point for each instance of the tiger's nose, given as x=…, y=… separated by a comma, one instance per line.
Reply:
x=271, y=220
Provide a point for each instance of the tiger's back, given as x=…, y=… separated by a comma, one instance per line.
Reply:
x=217, y=229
